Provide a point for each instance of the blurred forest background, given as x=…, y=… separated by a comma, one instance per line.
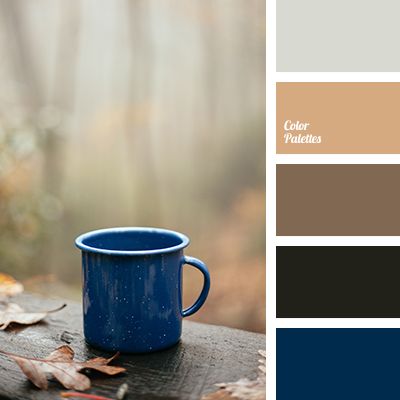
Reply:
x=135, y=113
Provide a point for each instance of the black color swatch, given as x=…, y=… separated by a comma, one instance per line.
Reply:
x=338, y=282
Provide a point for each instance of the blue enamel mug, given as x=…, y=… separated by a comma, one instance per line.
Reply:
x=132, y=288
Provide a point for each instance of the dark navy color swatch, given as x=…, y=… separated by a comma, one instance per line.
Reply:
x=338, y=364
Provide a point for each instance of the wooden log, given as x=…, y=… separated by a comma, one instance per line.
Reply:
x=206, y=355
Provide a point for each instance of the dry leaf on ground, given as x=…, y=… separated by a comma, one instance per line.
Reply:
x=60, y=364
x=243, y=389
x=13, y=313
x=9, y=286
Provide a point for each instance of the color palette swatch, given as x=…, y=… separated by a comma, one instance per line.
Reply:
x=338, y=282
x=338, y=199
x=332, y=364
x=341, y=35
x=333, y=118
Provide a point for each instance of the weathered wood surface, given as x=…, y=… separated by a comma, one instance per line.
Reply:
x=206, y=355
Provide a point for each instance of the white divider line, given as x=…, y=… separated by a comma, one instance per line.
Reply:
x=338, y=323
x=271, y=198
x=338, y=241
x=338, y=158
x=337, y=76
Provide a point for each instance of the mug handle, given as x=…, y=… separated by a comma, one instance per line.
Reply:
x=206, y=286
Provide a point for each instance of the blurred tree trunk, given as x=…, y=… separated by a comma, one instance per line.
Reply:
x=62, y=94
x=139, y=136
x=19, y=51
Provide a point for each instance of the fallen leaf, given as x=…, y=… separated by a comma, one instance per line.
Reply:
x=243, y=389
x=219, y=395
x=60, y=364
x=262, y=367
x=13, y=313
x=9, y=286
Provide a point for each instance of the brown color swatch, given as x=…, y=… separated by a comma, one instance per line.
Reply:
x=336, y=200
x=348, y=117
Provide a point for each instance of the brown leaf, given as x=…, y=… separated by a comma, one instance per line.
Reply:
x=60, y=363
x=100, y=364
x=243, y=389
x=13, y=313
x=221, y=394
x=9, y=286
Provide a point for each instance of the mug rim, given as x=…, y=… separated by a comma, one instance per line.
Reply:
x=79, y=241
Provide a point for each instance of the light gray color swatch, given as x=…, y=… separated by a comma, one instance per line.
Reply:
x=338, y=35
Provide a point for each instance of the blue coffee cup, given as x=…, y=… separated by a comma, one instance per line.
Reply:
x=132, y=288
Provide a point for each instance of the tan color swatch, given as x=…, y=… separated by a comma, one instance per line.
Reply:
x=338, y=200
x=347, y=117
